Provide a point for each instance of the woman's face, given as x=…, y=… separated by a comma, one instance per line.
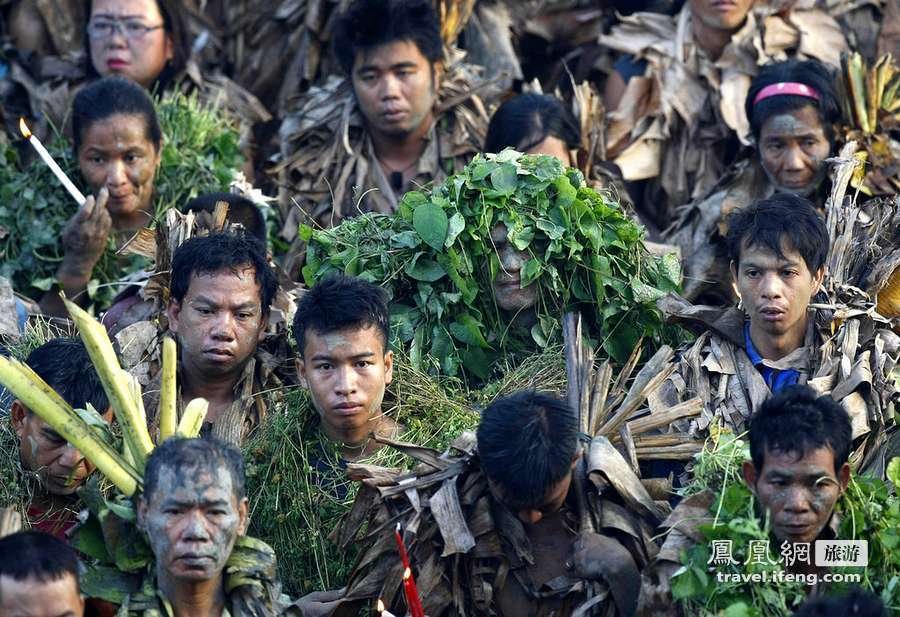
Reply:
x=116, y=152
x=792, y=149
x=553, y=146
x=127, y=38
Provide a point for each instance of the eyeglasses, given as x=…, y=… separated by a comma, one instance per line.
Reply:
x=131, y=29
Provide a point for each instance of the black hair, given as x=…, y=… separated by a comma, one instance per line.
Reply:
x=770, y=222
x=856, y=603
x=222, y=251
x=207, y=454
x=341, y=302
x=526, y=443
x=797, y=420
x=810, y=73
x=65, y=365
x=526, y=120
x=240, y=210
x=366, y=24
x=108, y=97
x=39, y=556
x=174, y=24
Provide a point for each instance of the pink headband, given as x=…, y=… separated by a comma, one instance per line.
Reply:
x=786, y=87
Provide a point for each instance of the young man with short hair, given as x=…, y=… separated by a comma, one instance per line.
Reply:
x=193, y=509
x=221, y=292
x=38, y=577
x=61, y=469
x=778, y=249
x=387, y=111
x=342, y=327
x=799, y=446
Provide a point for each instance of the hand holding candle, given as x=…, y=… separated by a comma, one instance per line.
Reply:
x=54, y=167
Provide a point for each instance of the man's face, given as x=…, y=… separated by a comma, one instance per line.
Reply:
x=775, y=291
x=395, y=88
x=346, y=373
x=61, y=467
x=192, y=520
x=792, y=149
x=798, y=493
x=508, y=290
x=721, y=14
x=33, y=598
x=219, y=321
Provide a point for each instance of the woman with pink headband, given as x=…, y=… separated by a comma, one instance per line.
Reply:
x=792, y=107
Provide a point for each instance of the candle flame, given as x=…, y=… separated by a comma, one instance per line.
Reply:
x=26, y=132
x=407, y=574
x=379, y=606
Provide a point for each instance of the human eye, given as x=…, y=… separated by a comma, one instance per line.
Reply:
x=323, y=366
x=135, y=27
x=203, y=310
x=102, y=27
x=751, y=273
x=788, y=273
x=364, y=364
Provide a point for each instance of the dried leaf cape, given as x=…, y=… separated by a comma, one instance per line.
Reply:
x=465, y=547
x=682, y=123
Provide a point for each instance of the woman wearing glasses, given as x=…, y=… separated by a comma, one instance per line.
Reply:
x=144, y=40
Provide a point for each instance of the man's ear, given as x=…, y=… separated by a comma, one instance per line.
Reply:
x=388, y=367
x=818, y=277
x=17, y=415
x=243, y=516
x=263, y=326
x=300, y=365
x=437, y=74
x=577, y=457
x=141, y=512
x=750, y=477
x=844, y=476
x=174, y=314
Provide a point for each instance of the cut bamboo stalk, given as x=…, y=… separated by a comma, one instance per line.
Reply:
x=118, y=389
x=682, y=452
x=168, y=414
x=60, y=416
x=192, y=419
x=687, y=409
x=662, y=441
x=654, y=373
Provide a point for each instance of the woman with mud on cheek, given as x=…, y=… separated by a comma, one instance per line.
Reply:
x=792, y=108
x=117, y=142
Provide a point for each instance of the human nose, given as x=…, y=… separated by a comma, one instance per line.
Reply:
x=71, y=457
x=390, y=87
x=511, y=259
x=345, y=382
x=117, y=34
x=116, y=174
x=195, y=528
x=795, y=159
x=223, y=326
x=770, y=286
x=796, y=500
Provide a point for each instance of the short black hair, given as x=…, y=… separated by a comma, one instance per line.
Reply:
x=39, y=556
x=771, y=222
x=856, y=603
x=810, y=73
x=339, y=302
x=526, y=120
x=240, y=210
x=112, y=96
x=367, y=24
x=797, y=420
x=222, y=251
x=65, y=365
x=174, y=24
x=208, y=454
x=526, y=443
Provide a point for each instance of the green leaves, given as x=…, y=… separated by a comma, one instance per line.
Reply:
x=437, y=258
x=431, y=224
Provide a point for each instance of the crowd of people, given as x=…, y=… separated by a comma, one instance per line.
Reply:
x=709, y=148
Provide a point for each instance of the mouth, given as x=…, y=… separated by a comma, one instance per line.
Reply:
x=116, y=63
x=394, y=115
x=194, y=560
x=796, y=530
x=724, y=6
x=771, y=313
x=218, y=353
x=515, y=283
x=348, y=409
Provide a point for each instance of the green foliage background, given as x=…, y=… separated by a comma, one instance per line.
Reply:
x=436, y=259
x=200, y=154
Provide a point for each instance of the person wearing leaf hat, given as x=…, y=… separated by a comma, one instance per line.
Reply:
x=59, y=467
x=482, y=267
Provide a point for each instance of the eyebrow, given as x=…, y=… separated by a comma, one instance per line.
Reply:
x=213, y=303
x=400, y=65
x=115, y=16
x=189, y=504
x=360, y=356
x=783, y=264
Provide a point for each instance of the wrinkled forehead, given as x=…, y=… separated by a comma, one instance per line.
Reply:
x=128, y=9
x=198, y=483
x=345, y=343
x=809, y=464
x=763, y=255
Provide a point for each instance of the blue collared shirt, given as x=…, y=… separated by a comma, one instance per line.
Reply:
x=777, y=380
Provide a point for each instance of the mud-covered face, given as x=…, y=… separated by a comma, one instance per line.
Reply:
x=721, y=14
x=395, y=88
x=60, y=466
x=792, y=150
x=507, y=285
x=799, y=493
x=346, y=372
x=192, y=520
x=118, y=153
x=31, y=597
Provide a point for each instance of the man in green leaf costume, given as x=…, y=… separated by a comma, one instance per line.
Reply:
x=483, y=266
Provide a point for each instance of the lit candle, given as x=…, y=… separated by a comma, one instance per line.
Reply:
x=56, y=169
x=382, y=611
x=413, y=602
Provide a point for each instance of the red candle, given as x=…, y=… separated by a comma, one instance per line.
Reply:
x=409, y=583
